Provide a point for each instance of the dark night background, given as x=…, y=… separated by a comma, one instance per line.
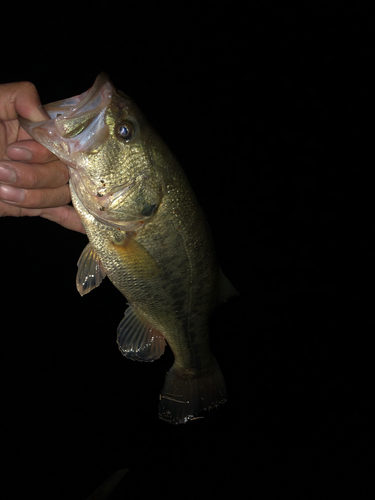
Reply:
x=267, y=110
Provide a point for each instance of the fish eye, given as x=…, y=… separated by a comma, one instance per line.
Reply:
x=125, y=130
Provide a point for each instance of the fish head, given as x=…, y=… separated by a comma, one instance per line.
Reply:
x=108, y=146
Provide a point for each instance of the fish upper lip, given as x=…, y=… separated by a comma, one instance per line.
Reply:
x=76, y=104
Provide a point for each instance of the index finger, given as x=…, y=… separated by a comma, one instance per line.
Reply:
x=20, y=98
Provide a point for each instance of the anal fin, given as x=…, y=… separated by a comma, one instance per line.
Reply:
x=137, y=340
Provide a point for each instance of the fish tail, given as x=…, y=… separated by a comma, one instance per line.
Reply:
x=185, y=396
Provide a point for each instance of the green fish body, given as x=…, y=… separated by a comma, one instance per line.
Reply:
x=147, y=233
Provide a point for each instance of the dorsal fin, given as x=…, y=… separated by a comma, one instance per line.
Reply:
x=226, y=289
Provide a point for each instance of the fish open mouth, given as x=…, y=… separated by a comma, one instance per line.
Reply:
x=76, y=124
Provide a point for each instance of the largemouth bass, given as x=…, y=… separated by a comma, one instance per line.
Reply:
x=147, y=233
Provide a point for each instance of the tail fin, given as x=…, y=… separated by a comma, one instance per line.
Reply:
x=185, y=396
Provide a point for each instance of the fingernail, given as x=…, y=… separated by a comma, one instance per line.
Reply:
x=7, y=174
x=17, y=153
x=9, y=193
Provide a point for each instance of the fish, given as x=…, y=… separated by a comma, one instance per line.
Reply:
x=147, y=232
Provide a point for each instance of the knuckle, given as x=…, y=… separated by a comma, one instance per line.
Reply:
x=28, y=87
x=46, y=198
x=27, y=177
x=34, y=180
x=34, y=198
x=37, y=176
x=63, y=172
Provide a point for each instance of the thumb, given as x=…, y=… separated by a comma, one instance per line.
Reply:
x=20, y=98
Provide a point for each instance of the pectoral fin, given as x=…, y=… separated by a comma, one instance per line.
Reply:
x=90, y=270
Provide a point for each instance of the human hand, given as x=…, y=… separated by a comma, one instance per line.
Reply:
x=32, y=180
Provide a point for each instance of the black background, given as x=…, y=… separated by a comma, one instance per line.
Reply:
x=269, y=111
